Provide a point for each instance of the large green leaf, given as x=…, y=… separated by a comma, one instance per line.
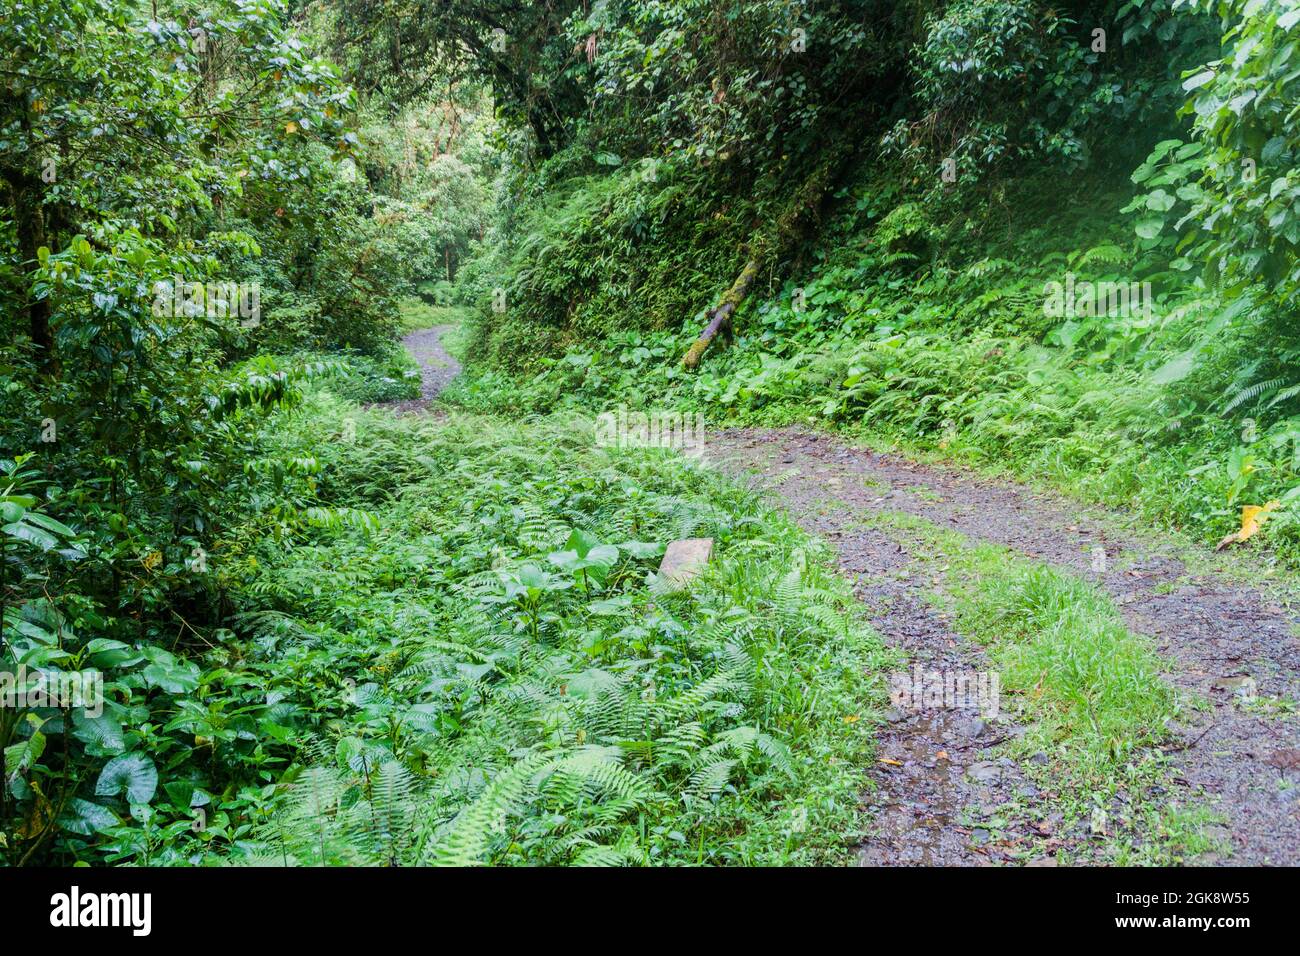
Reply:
x=22, y=755
x=133, y=773
x=32, y=535
x=85, y=818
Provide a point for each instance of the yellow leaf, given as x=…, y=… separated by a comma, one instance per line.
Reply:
x=851, y=719
x=39, y=818
x=291, y=127
x=150, y=560
x=892, y=763
x=1252, y=516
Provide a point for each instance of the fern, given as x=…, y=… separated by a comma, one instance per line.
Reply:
x=1253, y=392
x=468, y=840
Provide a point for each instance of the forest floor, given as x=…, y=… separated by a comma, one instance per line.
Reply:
x=957, y=787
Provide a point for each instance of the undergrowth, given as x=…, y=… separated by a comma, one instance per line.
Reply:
x=495, y=675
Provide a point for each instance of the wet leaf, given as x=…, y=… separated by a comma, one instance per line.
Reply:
x=1252, y=516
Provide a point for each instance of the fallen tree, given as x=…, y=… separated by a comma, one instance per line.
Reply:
x=720, y=317
x=790, y=228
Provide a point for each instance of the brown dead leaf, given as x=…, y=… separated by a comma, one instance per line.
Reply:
x=1286, y=759
x=39, y=818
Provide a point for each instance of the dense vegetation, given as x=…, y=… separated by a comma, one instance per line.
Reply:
x=328, y=634
x=919, y=310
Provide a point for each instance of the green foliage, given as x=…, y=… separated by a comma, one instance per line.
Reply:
x=999, y=82
x=135, y=153
x=506, y=661
x=1232, y=193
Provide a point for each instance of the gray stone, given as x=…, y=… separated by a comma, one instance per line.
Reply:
x=685, y=559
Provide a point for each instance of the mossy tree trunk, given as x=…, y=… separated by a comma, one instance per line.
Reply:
x=720, y=318
x=788, y=230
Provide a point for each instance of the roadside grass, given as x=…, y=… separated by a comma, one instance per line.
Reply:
x=416, y=314
x=496, y=667
x=1088, y=690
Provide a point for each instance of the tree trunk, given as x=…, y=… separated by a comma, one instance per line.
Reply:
x=29, y=220
x=720, y=318
x=788, y=230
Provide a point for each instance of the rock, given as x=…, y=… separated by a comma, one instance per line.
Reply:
x=1240, y=686
x=1042, y=861
x=986, y=771
x=685, y=559
x=1040, y=758
x=979, y=836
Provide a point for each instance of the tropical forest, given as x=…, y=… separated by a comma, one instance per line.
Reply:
x=649, y=433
